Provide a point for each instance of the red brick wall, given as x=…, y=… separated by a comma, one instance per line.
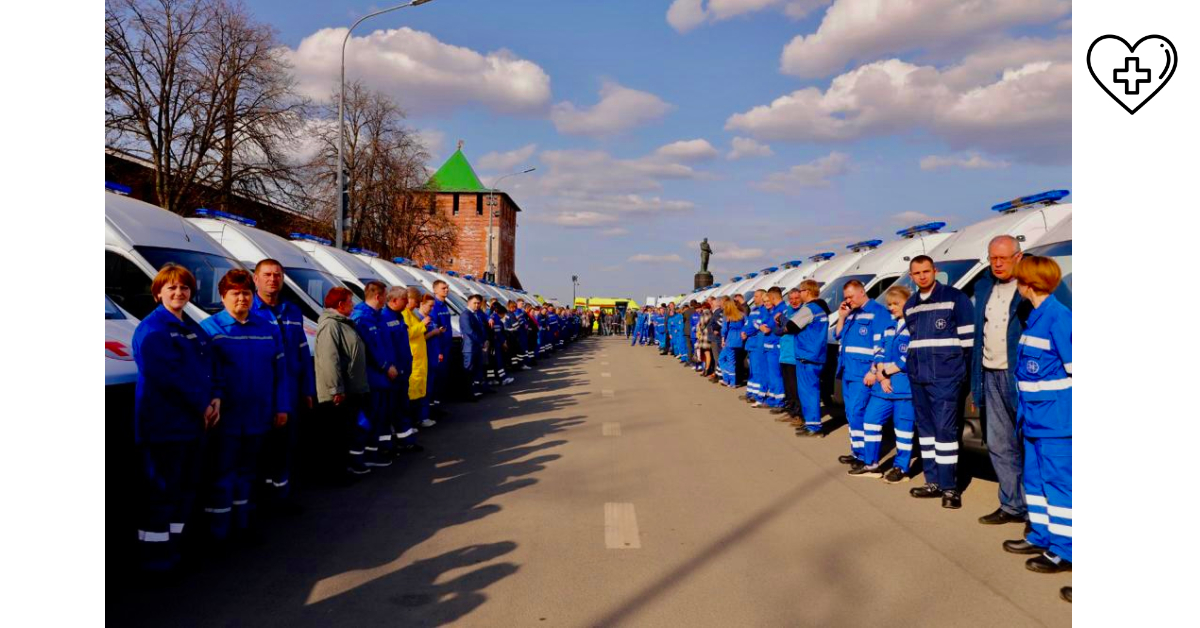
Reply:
x=470, y=256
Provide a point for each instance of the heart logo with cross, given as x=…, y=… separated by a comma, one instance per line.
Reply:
x=1132, y=75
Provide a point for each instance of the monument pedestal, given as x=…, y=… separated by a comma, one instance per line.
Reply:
x=703, y=279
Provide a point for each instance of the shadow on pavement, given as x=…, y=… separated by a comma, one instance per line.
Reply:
x=344, y=559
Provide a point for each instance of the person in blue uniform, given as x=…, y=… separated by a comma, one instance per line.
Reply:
x=381, y=371
x=1044, y=408
x=498, y=336
x=556, y=330
x=521, y=328
x=440, y=345
x=772, y=323
x=638, y=325
x=392, y=317
x=754, y=348
x=252, y=383
x=661, y=332
x=279, y=450
x=940, y=322
x=175, y=401
x=790, y=409
x=810, y=324
x=474, y=350
x=857, y=316
x=890, y=393
x=731, y=335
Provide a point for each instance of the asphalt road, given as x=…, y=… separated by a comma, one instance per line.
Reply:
x=614, y=487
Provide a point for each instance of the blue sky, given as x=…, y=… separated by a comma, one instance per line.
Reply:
x=849, y=123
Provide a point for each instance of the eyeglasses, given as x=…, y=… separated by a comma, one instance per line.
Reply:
x=1001, y=258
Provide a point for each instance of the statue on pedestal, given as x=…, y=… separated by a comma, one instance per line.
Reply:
x=705, y=252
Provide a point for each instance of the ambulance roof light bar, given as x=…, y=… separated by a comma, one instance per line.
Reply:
x=205, y=212
x=751, y=275
x=864, y=245
x=359, y=251
x=736, y=279
x=792, y=263
x=820, y=257
x=117, y=188
x=768, y=270
x=1049, y=197
x=295, y=235
x=929, y=227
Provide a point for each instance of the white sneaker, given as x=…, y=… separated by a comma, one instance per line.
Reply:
x=526, y=367
x=507, y=381
x=428, y=423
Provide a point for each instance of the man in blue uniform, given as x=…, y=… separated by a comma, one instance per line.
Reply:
x=439, y=347
x=856, y=316
x=790, y=409
x=940, y=323
x=810, y=323
x=381, y=371
x=474, y=340
x=279, y=450
x=397, y=331
x=660, y=323
x=252, y=384
x=520, y=329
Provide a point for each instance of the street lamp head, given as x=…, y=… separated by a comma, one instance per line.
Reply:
x=526, y=171
x=417, y=3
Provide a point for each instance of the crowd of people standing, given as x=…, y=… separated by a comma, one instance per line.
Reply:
x=219, y=404
x=906, y=360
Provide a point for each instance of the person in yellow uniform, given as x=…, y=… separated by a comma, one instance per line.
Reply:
x=418, y=333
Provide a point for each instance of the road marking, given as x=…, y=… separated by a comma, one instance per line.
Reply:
x=606, y=374
x=620, y=526
x=607, y=393
x=611, y=429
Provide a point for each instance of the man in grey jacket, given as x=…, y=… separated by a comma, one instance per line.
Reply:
x=340, y=362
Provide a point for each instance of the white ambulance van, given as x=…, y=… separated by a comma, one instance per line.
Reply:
x=792, y=277
x=1056, y=244
x=344, y=265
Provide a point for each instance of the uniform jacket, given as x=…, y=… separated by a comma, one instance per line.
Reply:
x=175, y=378
x=892, y=351
x=787, y=341
x=251, y=374
x=772, y=317
x=397, y=331
x=380, y=354
x=754, y=337
x=297, y=357
x=441, y=318
x=1044, y=371
x=733, y=333
x=419, y=377
x=341, y=358
x=811, y=325
x=1018, y=312
x=858, y=338
x=943, y=332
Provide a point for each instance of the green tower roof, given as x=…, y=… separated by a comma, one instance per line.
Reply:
x=456, y=175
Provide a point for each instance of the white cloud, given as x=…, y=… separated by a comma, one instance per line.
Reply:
x=1012, y=99
x=816, y=173
x=615, y=231
x=432, y=139
x=744, y=147
x=910, y=218
x=864, y=30
x=584, y=219
x=620, y=109
x=684, y=15
x=423, y=74
x=688, y=150
x=971, y=161
x=508, y=160
x=646, y=258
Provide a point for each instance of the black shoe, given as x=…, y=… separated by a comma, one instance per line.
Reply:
x=778, y=410
x=1065, y=593
x=1000, y=517
x=807, y=433
x=846, y=459
x=1021, y=546
x=857, y=464
x=410, y=449
x=951, y=499
x=1048, y=563
x=866, y=472
x=927, y=491
x=895, y=475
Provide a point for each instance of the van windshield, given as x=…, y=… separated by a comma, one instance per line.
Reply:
x=1061, y=253
x=207, y=268
x=948, y=274
x=111, y=311
x=314, y=283
x=832, y=292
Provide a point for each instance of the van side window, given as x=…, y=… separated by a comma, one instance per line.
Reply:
x=880, y=286
x=290, y=295
x=126, y=284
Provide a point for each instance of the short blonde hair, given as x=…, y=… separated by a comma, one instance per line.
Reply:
x=897, y=293
x=812, y=286
x=1042, y=274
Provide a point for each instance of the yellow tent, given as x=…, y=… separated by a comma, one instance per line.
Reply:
x=605, y=303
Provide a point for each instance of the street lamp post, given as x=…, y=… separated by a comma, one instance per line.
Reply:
x=492, y=212
x=343, y=193
x=574, y=282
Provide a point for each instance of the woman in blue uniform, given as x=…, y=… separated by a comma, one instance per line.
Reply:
x=251, y=380
x=890, y=393
x=731, y=334
x=175, y=403
x=1044, y=408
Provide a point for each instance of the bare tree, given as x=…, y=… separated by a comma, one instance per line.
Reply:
x=199, y=89
x=389, y=207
